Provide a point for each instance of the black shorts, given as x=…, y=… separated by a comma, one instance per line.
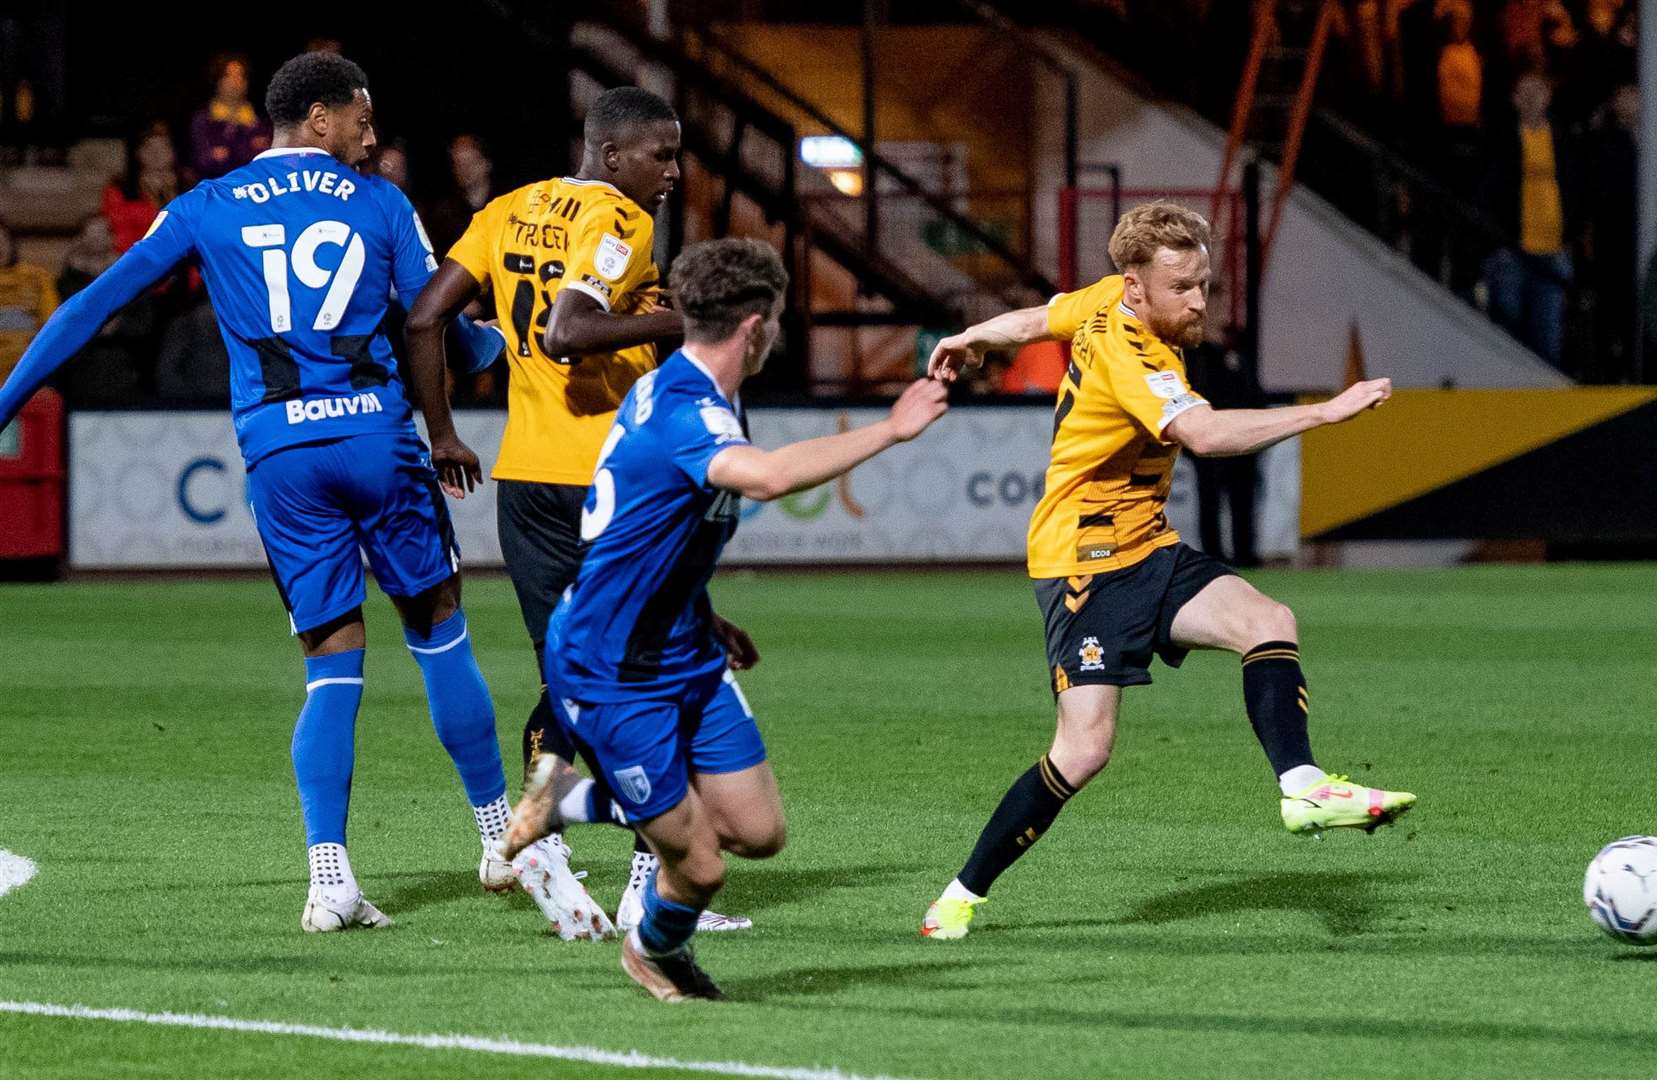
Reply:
x=540, y=531
x=1103, y=629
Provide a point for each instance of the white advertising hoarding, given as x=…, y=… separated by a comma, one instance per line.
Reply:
x=167, y=490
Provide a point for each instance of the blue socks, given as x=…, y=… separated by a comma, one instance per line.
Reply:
x=325, y=736
x=324, y=744
x=461, y=710
x=666, y=925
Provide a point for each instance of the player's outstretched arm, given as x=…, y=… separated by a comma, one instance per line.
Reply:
x=1209, y=432
x=770, y=474
x=1010, y=330
x=442, y=298
x=579, y=326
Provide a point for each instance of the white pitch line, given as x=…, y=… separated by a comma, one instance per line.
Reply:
x=15, y=871
x=592, y=1055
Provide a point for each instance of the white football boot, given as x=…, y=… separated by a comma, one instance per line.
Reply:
x=495, y=871
x=327, y=911
x=630, y=912
x=543, y=869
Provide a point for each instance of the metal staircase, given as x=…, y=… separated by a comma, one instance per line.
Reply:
x=754, y=153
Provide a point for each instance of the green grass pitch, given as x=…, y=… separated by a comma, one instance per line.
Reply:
x=1166, y=927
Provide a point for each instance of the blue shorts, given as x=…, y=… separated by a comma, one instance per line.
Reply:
x=320, y=507
x=647, y=749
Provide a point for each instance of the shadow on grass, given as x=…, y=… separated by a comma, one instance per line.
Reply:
x=756, y=886
x=1348, y=904
x=817, y=981
x=414, y=890
x=1384, y=941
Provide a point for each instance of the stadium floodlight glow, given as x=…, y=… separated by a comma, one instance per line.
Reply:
x=830, y=152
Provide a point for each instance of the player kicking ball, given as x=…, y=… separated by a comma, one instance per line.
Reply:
x=1114, y=583
x=638, y=665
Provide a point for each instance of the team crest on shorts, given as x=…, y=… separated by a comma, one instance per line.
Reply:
x=1093, y=657
x=634, y=783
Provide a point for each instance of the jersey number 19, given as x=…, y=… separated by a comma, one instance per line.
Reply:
x=272, y=239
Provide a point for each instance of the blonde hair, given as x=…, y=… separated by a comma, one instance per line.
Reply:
x=1153, y=225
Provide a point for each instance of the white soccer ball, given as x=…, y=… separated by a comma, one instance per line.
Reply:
x=1621, y=889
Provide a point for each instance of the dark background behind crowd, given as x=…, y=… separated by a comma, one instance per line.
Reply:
x=1492, y=141
x=185, y=102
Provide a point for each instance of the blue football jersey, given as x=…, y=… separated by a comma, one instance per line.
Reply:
x=638, y=621
x=301, y=255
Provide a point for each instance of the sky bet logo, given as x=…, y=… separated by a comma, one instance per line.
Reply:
x=329, y=408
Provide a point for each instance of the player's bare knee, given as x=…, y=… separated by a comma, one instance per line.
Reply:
x=1276, y=622
x=1078, y=767
x=759, y=840
x=435, y=605
x=1080, y=759
x=771, y=843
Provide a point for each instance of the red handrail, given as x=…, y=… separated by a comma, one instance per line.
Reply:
x=1297, y=125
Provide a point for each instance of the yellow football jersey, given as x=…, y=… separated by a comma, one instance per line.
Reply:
x=1068, y=312
x=1108, y=479
x=528, y=244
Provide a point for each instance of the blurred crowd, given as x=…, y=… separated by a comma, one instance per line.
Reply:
x=1519, y=109
x=1496, y=146
x=1496, y=119
x=165, y=347
x=1466, y=133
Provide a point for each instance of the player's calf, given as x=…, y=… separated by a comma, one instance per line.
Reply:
x=1026, y=812
x=464, y=719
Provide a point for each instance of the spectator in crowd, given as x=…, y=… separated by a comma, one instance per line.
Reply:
x=106, y=372
x=1417, y=46
x=1035, y=369
x=1613, y=165
x=472, y=174
x=1606, y=57
x=1217, y=372
x=390, y=160
x=1530, y=190
x=1536, y=33
x=1460, y=98
x=193, y=367
x=33, y=88
x=226, y=133
x=27, y=299
x=89, y=254
x=150, y=181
